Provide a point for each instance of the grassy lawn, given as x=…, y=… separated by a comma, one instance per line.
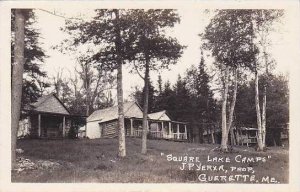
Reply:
x=97, y=161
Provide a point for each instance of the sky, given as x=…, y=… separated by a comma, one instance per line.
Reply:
x=193, y=22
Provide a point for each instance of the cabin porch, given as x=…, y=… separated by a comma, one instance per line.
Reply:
x=171, y=130
x=246, y=136
x=47, y=125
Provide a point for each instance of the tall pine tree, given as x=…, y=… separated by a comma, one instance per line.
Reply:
x=112, y=40
x=34, y=81
x=204, y=105
x=153, y=49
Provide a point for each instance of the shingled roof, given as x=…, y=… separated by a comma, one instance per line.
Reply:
x=131, y=109
x=49, y=104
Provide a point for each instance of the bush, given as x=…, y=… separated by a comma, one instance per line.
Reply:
x=73, y=132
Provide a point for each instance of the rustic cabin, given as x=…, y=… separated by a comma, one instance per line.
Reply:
x=284, y=136
x=103, y=124
x=277, y=136
x=246, y=136
x=46, y=118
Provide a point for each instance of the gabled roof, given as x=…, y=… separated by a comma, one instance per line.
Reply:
x=131, y=109
x=161, y=115
x=41, y=100
x=49, y=104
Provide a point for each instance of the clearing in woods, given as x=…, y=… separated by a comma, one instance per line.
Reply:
x=84, y=160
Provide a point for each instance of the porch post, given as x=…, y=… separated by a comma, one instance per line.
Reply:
x=170, y=135
x=162, y=128
x=39, y=125
x=256, y=136
x=238, y=136
x=185, y=131
x=131, y=127
x=177, y=130
x=247, y=138
x=64, y=125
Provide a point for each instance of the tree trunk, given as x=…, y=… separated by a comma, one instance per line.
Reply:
x=258, y=115
x=224, y=101
x=233, y=139
x=264, y=104
x=145, y=108
x=122, y=145
x=232, y=106
x=17, y=80
x=87, y=112
x=263, y=116
x=87, y=88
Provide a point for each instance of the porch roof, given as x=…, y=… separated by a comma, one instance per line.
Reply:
x=160, y=115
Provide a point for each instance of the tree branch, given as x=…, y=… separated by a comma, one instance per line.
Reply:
x=135, y=67
x=96, y=88
x=61, y=16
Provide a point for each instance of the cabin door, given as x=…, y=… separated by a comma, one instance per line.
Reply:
x=51, y=126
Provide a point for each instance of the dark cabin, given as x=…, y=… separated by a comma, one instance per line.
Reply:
x=46, y=118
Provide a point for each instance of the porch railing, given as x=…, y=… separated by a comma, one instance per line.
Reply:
x=179, y=136
x=159, y=134
x=156, y=134
x=153, y=134
x=137, y=133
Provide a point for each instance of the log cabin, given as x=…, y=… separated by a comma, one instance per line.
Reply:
x=104, y=124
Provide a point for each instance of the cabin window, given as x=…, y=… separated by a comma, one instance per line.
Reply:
x=252, y=133
x=138, y=124
x=181, y=128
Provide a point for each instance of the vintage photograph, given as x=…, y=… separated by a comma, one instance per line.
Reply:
x=116, y=95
